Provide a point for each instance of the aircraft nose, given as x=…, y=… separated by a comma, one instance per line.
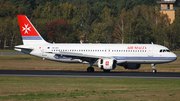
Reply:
x=174, y=56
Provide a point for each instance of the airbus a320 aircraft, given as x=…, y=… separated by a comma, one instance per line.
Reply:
x=107, y=56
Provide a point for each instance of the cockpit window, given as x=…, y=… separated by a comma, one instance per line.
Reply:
x=164, y=50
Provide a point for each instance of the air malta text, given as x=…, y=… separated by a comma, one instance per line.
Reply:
x=136, y=47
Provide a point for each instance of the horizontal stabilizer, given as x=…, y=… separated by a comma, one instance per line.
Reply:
x=23, y=47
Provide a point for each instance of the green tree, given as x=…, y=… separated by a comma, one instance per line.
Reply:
x=85, y=19
x=37, y=12
x=67, y=11
x=7, y=10
x=142, y=24
x=103, y=29
x=119, y=29
x=5, y=31
x=15, y=37
x=174, y=35
x=46, y=13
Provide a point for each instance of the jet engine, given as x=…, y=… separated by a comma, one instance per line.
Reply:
x=107, y=64
x=132, y=66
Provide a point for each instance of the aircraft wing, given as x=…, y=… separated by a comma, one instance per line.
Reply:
x=76, y=55
x=83, y=57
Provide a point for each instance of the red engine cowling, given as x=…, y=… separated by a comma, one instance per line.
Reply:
x=107, y=64
x=132, y=66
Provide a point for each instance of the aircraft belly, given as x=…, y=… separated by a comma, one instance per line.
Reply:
x=148, y=61
x=144, y=60
x=68, y=60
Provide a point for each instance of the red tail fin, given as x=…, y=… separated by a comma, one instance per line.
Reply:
x=29, y=33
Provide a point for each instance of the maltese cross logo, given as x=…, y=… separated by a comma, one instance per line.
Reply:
x=26, y=29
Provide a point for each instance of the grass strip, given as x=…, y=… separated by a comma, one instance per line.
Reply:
x=39, y=88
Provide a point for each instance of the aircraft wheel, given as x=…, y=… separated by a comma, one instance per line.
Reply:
x=154, y=70
x=106, y=71
x=90, y=69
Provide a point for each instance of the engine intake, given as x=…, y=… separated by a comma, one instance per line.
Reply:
x=107, y=64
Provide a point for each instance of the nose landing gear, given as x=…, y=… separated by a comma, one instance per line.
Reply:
x=153, y=68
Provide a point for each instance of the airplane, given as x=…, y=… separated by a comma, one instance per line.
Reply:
x=106, y=56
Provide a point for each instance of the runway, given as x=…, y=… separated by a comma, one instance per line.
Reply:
x=84, y=74
x=12, y=53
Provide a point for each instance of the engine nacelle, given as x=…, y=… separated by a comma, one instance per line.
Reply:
x=132, y=66
x=107, y=64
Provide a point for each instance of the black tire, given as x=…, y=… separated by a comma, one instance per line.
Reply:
x=90, y=69
x=106, y=71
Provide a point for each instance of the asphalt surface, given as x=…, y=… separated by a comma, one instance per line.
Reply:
x=11, y=53
x=84, y=74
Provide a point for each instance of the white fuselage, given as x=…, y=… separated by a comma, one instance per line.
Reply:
x=123, y=53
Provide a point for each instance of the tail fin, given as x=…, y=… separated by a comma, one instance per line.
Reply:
x=29, y=33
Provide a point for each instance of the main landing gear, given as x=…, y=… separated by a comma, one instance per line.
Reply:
x=90, y=69
x=153, y=68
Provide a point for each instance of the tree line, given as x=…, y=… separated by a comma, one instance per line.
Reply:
x=90, y=21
